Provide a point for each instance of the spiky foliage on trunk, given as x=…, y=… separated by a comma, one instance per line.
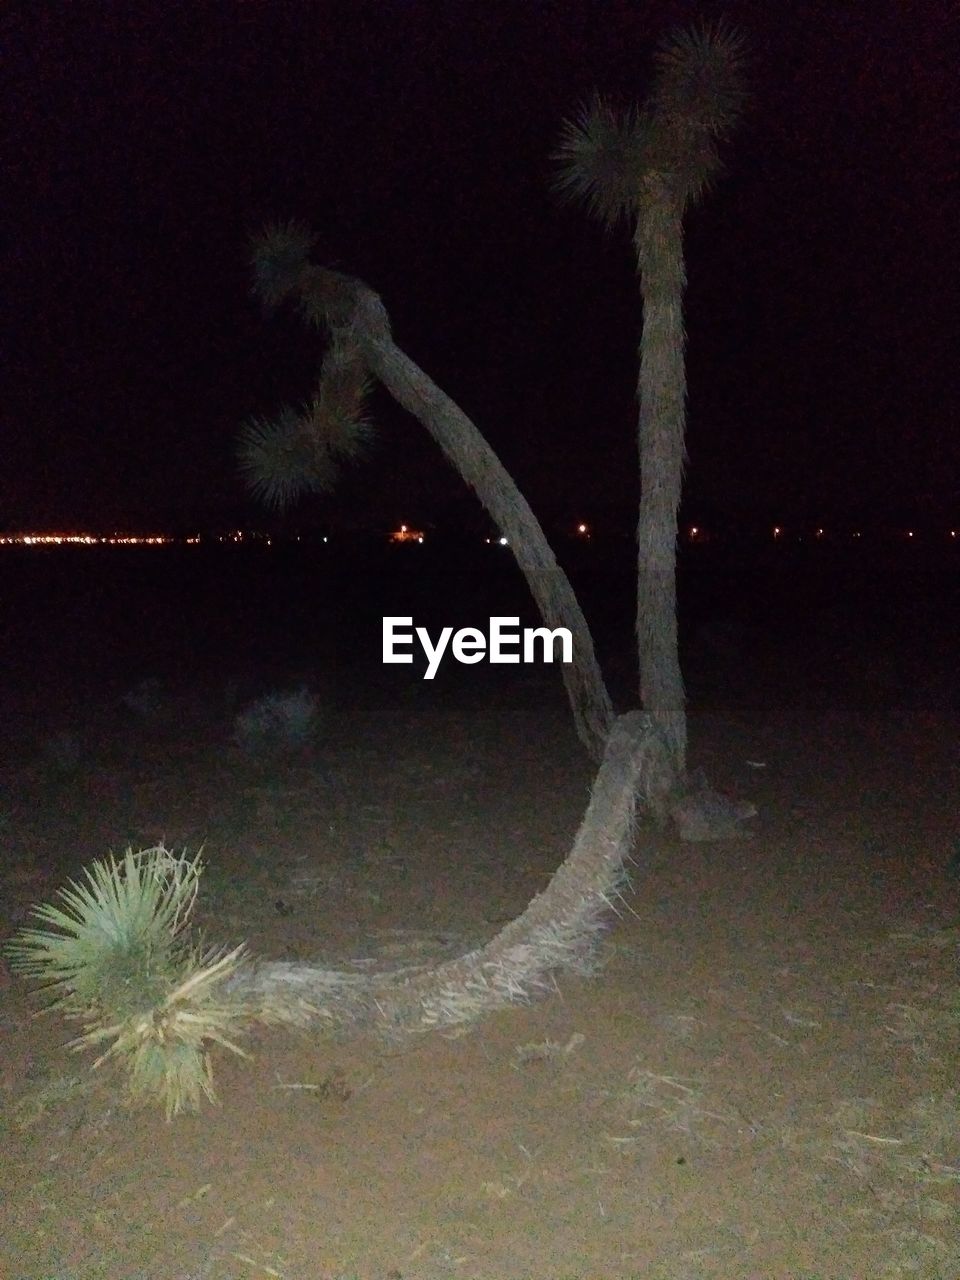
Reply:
x=362, y=345
x=646, y=166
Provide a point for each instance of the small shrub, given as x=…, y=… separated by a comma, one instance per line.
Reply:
x=118, y=958
x=278, y=722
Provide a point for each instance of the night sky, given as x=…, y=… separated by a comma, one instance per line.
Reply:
x=145, y=142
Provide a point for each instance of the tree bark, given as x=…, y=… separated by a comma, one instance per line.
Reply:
x=662, y=392
x=358, y=319
x=557, y=931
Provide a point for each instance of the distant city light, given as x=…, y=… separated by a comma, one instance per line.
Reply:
x=91, y=540
x=406, y=534
x=694, y=533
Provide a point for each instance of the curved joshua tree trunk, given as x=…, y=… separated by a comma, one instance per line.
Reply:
x=559, y=927
x=557, y=931
x=662, y=390
x=360, y=330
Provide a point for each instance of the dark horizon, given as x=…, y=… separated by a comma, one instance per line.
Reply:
x=148, y=143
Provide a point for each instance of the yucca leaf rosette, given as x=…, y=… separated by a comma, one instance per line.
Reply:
x=116, y=955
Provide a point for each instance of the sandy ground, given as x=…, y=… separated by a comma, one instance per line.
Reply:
x=761, y=1081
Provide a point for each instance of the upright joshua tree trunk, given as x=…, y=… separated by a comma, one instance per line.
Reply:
x=646, y=166
x=662, y=393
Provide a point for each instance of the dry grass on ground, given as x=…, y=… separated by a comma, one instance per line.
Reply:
x=761, y=1083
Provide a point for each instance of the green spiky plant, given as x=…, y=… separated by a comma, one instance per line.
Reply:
x=118, y=957
x=646, y=166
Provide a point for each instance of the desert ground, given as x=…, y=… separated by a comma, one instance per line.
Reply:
x=758, y=1083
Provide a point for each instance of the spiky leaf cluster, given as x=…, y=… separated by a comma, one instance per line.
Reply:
x=117, y=935
x=164, y=1049
x=117, y=957
x=699, y=78
x=615, y=160
x=600, y=154
x=281, y=459
x=280, y=254
x=301, y=450
x=338, y=412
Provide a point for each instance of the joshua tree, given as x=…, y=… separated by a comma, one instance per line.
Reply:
x=300, y=451
x=119, y=957
x=560, y=926
x=646, y=166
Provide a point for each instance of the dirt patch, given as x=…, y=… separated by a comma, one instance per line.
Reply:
x=760, y=1082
